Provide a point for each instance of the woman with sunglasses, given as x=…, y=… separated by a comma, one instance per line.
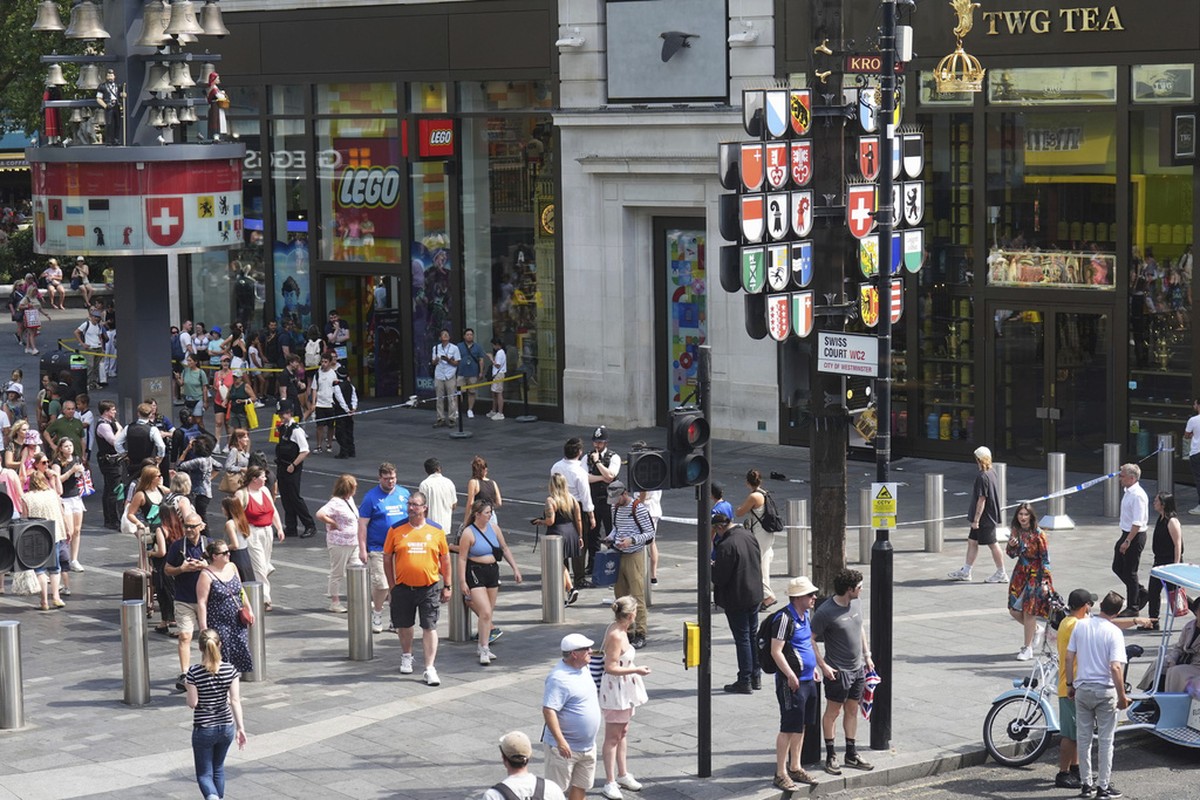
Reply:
x=218, y=599
x=223, y=381
x=41, y=500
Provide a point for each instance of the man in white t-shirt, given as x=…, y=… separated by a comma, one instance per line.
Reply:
x=1191, y=437
x=1127, y=551
x=90, y=334
x=1095, y=671
x=445, y=380
x=325, y=379
x=440, y=495
x=521, y=784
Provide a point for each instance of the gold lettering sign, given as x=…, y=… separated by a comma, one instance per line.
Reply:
x=1037, y=21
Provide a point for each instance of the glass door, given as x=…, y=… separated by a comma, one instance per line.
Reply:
x=373, y=354
x=1053, y=390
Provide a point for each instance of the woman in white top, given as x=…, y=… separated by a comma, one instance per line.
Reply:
x=621, y=691
x=42, y=501
x=499, y=359
x=340, y=516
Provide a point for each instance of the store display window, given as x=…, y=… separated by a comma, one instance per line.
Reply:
x=360, y=178
x=290, y=222
x=354, y=99
x=432, y=264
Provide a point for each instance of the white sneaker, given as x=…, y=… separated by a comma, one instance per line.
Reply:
x=1194, y=511
x=999, y=576
x=491, y=414
x=612, y=791
x=431, y=677
x=629, y=782
x=1025, y=654
x=337, y=608
x=470, y=414
x=76, y=566
x=377, y=624
x=406, y=662
x=960, y=574
x=498, y=416
x=485, y=657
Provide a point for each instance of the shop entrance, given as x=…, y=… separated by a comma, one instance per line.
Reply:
x=1053, y=384
x=369, y=305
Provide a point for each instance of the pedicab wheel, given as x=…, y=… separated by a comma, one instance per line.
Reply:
x=1016, y=731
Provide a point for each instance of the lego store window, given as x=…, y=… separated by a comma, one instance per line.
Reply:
x=359, y=180
x=510, y=276
x=432, y=262
x=290, y=219
x=428, y=98
x=1160, y=275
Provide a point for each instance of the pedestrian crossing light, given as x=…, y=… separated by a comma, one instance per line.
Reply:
x=649, y=471
x=687, y=436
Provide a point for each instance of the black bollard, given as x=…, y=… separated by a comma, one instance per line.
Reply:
x=526, y=416
x=460, y=401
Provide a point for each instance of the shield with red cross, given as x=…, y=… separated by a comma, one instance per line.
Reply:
x=164, y=220
x=860, y=209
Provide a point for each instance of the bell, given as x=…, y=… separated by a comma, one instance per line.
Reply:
x=158, y=119
x=181, y=76
x=183, y=19
x=85, y=22
x=158, y=79
x=187, y=114
x=87, y=113
x=206, y=69
x=54, y=76
x=89, y=77
x=76, y=115
x=171, y=117
x=154, y=25
x=47, y=17
x=210, y=20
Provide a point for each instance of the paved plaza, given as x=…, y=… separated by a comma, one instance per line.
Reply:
x=321, y=725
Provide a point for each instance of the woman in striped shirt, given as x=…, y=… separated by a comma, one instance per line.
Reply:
x=212, y=691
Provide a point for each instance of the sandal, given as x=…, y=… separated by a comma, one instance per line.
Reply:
x=44, y=607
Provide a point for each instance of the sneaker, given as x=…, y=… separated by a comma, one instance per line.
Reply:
x=406, y=663
x=1025, y=654
x=960, y=574
x=785, y=783
x=1109, y=791
x=494, y=635
x=470, y=414
x=308, y=533
x=629, y=782
x=179, y=684
x=999, y=576
x=498, y=416
x=491, y=414
x=485, y=658
x=1086, y=791
x=1195, y=512
x=802, y=776
x=756, y=681
x=431, y=677
x=612, y=791
x=856, y=762
x=65, y=591
x=376, y=621
x=638, y=641
x=337, y=608
x=738, y=687
x=1067, y=780
x=831, y=765
x=76, y=566
x=572, y=596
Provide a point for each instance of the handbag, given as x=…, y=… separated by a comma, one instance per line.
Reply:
x=251, y=415
x=230, y=482
x=33, y=318
x=86, y=487
x=25, y=582
x=1178, y=601
x=245, y=615
x=604, y=568
x=273, y=436
x=126, y=525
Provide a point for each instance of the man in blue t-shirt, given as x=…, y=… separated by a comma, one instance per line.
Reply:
x=795, y=682
x=385, y=506
x=469, y=356
x=571, y=711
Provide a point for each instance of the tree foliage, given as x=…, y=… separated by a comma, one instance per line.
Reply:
x=22, y=75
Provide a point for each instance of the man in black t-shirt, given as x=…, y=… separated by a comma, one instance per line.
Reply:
x=984, y=516
x=185, y=560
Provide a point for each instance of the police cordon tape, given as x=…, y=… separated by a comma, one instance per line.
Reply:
x=72, y=347
x=1079, y=487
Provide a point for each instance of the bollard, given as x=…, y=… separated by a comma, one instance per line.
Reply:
x=554, y=602
x=935, y=499
x=649, y=595
x=795, y=546
x=1112, y=486
x=1056, y=518
x=358, y=613
x=135, y=656
x=460, y=402
x=257, y=633
x=1001, y=470
x=12, y=689
x=460, y=612
x=865, y=535
x=806, y=537
x=525, y=415
x=1166, y=462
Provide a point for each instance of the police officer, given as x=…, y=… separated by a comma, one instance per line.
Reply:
x=603, y=466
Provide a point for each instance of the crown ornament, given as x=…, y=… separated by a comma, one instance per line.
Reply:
x=960, y=71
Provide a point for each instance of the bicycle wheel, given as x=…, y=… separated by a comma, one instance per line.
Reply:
x=1016, y=731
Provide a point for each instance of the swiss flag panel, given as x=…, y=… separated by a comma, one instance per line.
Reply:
x=164, y=220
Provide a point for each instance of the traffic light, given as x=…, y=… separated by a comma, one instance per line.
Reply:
x=649, y=470
x=687, y=435
x=25, y=543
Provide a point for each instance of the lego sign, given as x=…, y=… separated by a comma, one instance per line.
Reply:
x=435, y=138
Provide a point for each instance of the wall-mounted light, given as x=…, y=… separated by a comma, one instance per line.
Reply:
x=575, y=40
x=744, y=36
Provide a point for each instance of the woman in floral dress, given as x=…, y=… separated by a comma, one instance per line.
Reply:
x=1031, y=586
x=218, y=600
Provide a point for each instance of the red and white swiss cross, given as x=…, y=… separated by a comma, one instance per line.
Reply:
x=164, y=220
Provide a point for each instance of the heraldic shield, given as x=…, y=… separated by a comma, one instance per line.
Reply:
x=913, y=204
x=754, y=209
x=753, y=167
x=777, y=164
x=913, y=151
x=802, y=313
x=802, y=263
x=860, y=209
x=897, y=307
x=779, y=321
x=754, y=269
x=868, y=297
x=801, y=111
x=777, y=216
x=777, y=113
x=778, y=269
x=914, y=249
x=868, y=157
x=802, y=166
x=753, y=101
x=802, y=212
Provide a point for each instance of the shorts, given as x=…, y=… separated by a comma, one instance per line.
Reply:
x=73, y=505
x=408, y=600
x=794, y=707
x=219, y=409
x=483, y=576
x=579, y=770
x=62, y=556
x=325, y=413
x=467, y=380
x=187, y=617
x=617, y=716
x=846, y=686
x=1066, y=718
x=984, y=536
x=498, y=387
x=379, y=580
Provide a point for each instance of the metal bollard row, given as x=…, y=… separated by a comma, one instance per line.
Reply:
x=135, y=654
x=1056, y=518
x=358, y=613
x=257, y=632
x=797, y=537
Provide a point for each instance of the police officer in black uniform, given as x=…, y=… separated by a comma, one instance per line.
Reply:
x=603, y=466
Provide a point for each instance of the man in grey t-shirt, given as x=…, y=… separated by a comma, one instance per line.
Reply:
x=839, y=623
x=984, y=516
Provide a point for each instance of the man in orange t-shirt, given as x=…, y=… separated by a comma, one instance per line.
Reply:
x=416, y=561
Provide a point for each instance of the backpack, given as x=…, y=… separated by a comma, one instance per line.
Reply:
x=762, y=641
x=769, y=520
x=539, y=791
x=176, y=348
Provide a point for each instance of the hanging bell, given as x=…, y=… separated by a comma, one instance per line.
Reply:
x=54, y=76
x=158, y=79
x=187, y=114
x=76, y=115
x=210, y=20
x=158, y=119
x=181, y=76
x=154, y=25
x=47, y=17
x=183, y=19
x=171, y=117
x=85, y=22
x=89, y=77
x=87, y=113
x=206, y=69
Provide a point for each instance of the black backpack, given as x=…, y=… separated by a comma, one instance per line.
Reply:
x=762, y=641
x=769, y=520
x=539, y=790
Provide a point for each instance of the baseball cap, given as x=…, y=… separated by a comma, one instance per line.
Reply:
x=615, y=490
x=574, y=641
x=600, y=434
x=800, y=587
x=1080, y=598
x=215, y=329
x=515, y=745
x=16, y=387
x=80, y=258
x=982, y=453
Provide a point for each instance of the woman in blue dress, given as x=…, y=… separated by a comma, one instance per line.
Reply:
x=218, y=600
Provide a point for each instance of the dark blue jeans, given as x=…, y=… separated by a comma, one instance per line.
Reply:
x=744, y=625
x=209, y=746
